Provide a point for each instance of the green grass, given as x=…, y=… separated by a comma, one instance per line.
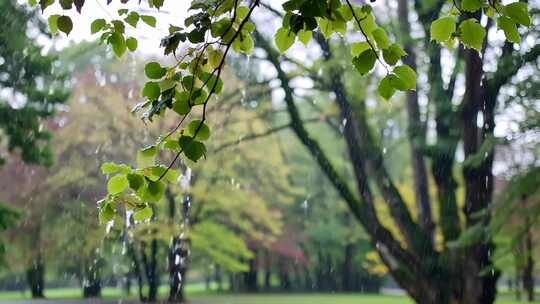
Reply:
x=309, y=299
x=197, y=295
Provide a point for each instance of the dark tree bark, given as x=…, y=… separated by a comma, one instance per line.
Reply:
x=430, y=275
x=416, y=130
x=347, y=270
x=528, y=271
x=35, y=277
x=152, y=272
x=268, y=270
x=250, y=277
x=218, y=277
x=92, y=280
x=137, y=269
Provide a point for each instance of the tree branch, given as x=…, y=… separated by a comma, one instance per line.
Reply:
x=254, y=136
x=367, y=157
x=508, y=66
x=363, y=210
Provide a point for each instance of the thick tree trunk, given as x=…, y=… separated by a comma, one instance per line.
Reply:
x=268, y=271
x=178, y=251
x=284, y=277
x=218, y=277
x=308, y=280
x=528, y=270
x=479, y=286
x=152, y=272
x=347, y=271
x=178, y=255
x=415, y=129
x=92, y=280
x=250, y=277
x=35, y=277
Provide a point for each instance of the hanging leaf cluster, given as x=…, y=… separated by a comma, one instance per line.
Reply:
x=212, y=29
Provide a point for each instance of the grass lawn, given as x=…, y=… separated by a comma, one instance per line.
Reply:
x=197, y=296
x=308, y=299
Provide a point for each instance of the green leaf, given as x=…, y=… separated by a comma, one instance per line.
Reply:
x=157, y=172
x=150, y=20
x=166, y=84
x=171, y=144
x=358, y=48
x=193, y=149
x=326, y=28
x=117, y=184
x=118, y=44
x=154, y=191
x=66, y=4
x=110, y=167
x=53, y=23
x=212, y=82
x=243, y=43
x=151, y=90
x=393, y=53
x=442, y=29
x=214, y=58
x=181, y=104
x=379, y=34
x=510, y=29
x=385, y=88
x=471, y=5
x=143, y=214
x=407, y=75
x=284, y=39
x=97, y=25
x=153, y=70
x=472, y=33
x=519, y=12
x=368, y=23
x=45, y=3
x=135, y=180
x=106, y=212
x=132, y=19
x=365, y=61
x=64, y=24
x=146, y=156
x=202, y=134
x=305, y=36
x=397, y=83
x=132, y=44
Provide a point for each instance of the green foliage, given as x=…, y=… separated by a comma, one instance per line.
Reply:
x=284, y=39
x=443, y=28
x=212, y=29
x=471, y=33
x=22, y=125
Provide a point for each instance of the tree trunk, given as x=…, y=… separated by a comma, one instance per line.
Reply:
x=478, y=178
x=528, y=270
x=35, y=277
x=177, y=270
x=267, y=270
x=347, y=271
x=218, y=277
x=250, y=277
x=152, y=272
x=92, y=280
x=284, y=278
x=137, y=269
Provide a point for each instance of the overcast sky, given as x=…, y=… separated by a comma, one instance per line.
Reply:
x=173, y=12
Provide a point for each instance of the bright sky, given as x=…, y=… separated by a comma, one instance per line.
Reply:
x=173, y=12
